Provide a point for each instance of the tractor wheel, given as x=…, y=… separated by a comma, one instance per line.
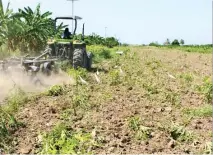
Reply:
x=78, y=58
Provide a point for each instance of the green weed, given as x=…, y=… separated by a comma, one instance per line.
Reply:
x=80, y=98
x=15, y=100
x=172, y=98
x=8, y=125
x=154, y=64
x=140, y=132
x=66, y=114
x=187, y=77
x=55, y=90
x=206, y=89
x=100, y=53
x=82, y=72
x=105, y=54
x=62, y=140
x=208, y=147
x=151, y=88
x=143, y=133
x=115, y=78
x=179, y=133
x=134, y=123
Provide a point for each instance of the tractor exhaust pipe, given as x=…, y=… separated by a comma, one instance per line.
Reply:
x=83, y=33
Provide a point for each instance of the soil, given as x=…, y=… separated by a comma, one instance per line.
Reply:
x=109, y=117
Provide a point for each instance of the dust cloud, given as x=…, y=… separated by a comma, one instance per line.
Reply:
x=15, y=77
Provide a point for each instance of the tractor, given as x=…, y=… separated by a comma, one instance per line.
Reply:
x=70, y=49
x=58, y=50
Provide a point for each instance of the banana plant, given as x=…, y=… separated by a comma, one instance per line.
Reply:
x=35, y=27
x=5, y=18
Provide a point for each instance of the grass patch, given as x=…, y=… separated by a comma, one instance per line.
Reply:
x=192, y=48
x=80, y=98
x=102, y=53
x=80, y=72
x=76, y=74
x=151, y=88
x=206, y=89
x=15, y=100
x=8, y=123
x=204, y=111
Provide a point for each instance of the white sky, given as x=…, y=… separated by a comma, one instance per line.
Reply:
x=136, y=21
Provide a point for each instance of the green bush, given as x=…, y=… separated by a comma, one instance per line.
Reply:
x=154, y=44
x=175, y=43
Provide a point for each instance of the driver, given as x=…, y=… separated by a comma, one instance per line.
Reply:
x=67, y=34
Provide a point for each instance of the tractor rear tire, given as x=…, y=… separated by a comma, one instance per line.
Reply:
x=77, y=58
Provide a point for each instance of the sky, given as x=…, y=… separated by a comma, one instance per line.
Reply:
x=135, y=21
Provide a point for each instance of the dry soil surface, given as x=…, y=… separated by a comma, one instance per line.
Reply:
x=156, y=86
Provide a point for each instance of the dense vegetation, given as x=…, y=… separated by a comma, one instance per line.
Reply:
x=26, y=29
x=29, y=30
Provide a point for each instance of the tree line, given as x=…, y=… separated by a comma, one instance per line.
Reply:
x=175, y=42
